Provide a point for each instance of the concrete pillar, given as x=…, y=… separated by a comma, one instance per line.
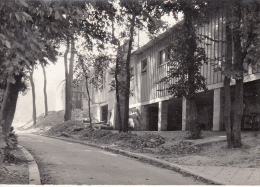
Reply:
x=217, y=109
x=141, y=121
x=184, y=113
x=162, y=116
x=112, y=118
x=99, y=113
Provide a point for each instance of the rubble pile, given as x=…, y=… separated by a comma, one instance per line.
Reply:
x=54, y=118
x=145, y=141
x=134, y=141
x=69, y=127
x=127, y=139
x=181, y=148
x=95, y=134
x=45, y=123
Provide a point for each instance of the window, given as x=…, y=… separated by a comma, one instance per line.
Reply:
x=170, y=53
x=102, y=81
x=104, y=113
x=144, y=66
x=77, y=99
x=162, y=58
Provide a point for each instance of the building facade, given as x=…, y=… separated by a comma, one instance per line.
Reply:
x=77, y=97
x=151, y=106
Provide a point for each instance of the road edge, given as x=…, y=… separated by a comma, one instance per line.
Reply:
x=34, y=174
x=155, y=161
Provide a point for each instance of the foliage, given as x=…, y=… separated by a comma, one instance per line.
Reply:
x=137, y=16
x=179, y=67
x=243, y=25
x=185, y=57
x=92, y=66
x=184, y=54
x=22, y=42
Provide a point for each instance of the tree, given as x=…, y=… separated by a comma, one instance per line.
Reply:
x=68, y=107
x=128, y=73
x=186, y=58
x=33, y=95
x=90, y=69
x=17, y=51
x=27, y=31
x=227, y=79
x=117, y=85
x=79, y=21
x=85, y=73
x=136, y=14
x=69, y=77
x=243, y=25
x=9, y=103
x=22, y=45
x=45, y=90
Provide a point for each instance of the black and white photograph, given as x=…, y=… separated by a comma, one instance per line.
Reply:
x=129, y=92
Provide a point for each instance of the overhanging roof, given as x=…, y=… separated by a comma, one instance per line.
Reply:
x=157, y=39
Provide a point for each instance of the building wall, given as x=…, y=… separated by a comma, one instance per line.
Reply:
x=148, y=92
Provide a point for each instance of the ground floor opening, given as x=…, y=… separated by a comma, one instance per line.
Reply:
x=104, y=113
x=174, y=115
x=153, y=117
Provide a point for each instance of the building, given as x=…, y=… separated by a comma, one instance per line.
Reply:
x=155, y=110
x=77, y=95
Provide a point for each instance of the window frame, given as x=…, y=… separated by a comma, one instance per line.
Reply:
x=144, y=69
x=162, y=58
x=102, y=82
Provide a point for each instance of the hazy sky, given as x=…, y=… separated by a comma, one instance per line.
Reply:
x=55, y=74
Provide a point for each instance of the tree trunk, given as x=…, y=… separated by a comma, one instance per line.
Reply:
x=238, y=66
x=192, y=123
x=33, y=96
x=117, y=70
x=227, y=99
x=89, y=108
x=72, y=55
x=118, y=113
x=45, y=90
x=9, y=104
x=238, y=113
x=67, y=115
x=239, y=92
x=190, y=37
x=128, y=75
x=227, y=112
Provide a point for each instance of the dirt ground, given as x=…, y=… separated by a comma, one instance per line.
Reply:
x=15, y=169
x=172, y=146
x=201, y=153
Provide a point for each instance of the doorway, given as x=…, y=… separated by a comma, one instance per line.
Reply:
x=104, y=113
x=153, y=117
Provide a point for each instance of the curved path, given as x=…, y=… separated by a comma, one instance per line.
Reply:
x=62, y=162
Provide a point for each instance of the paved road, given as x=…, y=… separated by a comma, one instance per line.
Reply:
x=62, y=162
